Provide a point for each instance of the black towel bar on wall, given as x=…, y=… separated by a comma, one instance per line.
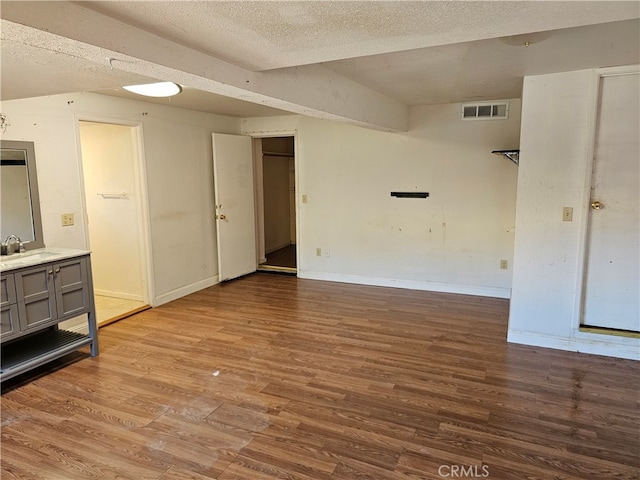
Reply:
x=410, y=194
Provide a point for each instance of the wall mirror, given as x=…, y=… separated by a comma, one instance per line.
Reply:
x=19, y=199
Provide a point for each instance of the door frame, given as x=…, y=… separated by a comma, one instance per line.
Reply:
x=258, y=190
x=585, y=209
x=141, y=190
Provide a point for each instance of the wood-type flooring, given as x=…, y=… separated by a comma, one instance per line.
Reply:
x=275, y=377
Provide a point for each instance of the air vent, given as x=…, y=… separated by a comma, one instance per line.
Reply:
x=485, y=111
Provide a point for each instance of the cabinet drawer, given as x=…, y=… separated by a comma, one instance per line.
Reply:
x=10, y=325
x=7, y=290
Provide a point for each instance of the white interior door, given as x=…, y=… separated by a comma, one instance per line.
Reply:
x=235, y=208
x=612, y=281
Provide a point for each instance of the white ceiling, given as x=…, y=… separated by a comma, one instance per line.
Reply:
x=360, y=62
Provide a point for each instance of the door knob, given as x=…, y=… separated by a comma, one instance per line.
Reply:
x=222, y=216
x=597, y=205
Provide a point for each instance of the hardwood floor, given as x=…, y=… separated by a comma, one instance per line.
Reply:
x=278, y=377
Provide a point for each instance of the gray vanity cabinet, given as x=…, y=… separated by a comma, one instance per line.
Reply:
x=35, y=299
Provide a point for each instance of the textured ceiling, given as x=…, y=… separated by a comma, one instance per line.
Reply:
x=491, y=69
x=263, y=35
x=415, y=52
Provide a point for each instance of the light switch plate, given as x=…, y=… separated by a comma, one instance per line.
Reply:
x=567, y=214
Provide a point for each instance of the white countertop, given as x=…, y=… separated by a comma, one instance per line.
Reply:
x=38, y=256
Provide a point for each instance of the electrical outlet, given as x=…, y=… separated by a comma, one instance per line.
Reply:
x=304, y=199
x=567, y=214
x=66, y=219
x=504, y=264
x=327, y=252
x=318, y=252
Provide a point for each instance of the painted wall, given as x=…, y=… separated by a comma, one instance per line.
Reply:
x=177, y=149
x=453, y=241
x=556, y=148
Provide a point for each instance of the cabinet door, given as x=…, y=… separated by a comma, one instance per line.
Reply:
x=8, y=308
x=7, y=290
x=72, y=296
x=34, y=287
x=10, y=326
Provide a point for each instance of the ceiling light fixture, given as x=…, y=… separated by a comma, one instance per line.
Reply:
x=526, y=39
x=160, y=89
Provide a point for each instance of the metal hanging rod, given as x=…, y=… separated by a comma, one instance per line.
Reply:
x=276, y=154
x=112, y=195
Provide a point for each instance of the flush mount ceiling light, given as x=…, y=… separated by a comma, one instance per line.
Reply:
x=526, y=39
x=160, y=89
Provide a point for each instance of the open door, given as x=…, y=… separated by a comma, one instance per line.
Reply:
x=235, y=209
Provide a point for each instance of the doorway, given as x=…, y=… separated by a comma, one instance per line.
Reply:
x=276, y=204
x=115, y=227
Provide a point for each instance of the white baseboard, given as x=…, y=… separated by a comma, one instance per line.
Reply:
x=186, y=290
x=496, y=292
x=583, y=342
x=126, y=296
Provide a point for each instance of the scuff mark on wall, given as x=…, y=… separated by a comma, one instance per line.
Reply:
x=444, y=229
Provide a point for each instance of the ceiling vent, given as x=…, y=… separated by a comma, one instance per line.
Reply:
x=485, y=111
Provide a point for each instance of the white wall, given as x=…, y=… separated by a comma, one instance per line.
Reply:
x=453, y=241
x=177, y=148
x=556, y=147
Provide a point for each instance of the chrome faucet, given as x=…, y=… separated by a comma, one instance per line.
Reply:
x=10, y=243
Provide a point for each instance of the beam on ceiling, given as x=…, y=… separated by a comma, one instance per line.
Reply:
x=315, y=91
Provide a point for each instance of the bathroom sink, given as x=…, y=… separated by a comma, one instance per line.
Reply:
x=20, y=259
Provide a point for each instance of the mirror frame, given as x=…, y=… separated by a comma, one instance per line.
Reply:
x=34, y=196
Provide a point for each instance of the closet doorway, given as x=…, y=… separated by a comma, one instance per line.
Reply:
x=111, y=166
x=276, y=204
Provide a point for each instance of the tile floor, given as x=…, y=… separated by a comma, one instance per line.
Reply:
x=111, y=309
